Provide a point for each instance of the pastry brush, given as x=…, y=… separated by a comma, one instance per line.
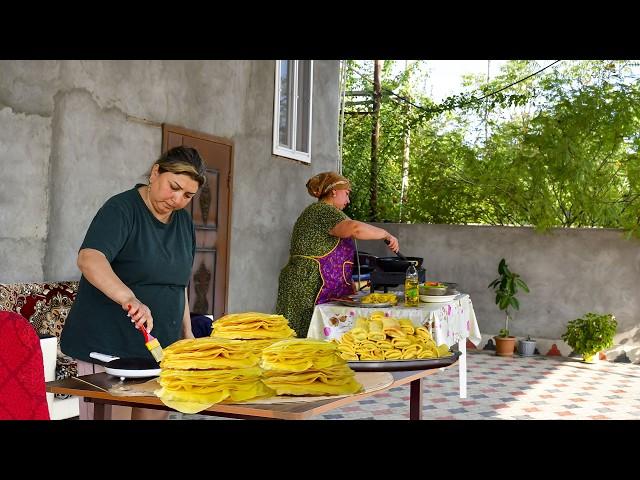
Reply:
x=152, y=344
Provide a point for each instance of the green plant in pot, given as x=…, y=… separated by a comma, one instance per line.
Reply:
x=590, y=334
x=506, y=287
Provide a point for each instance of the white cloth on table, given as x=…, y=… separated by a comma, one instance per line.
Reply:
x=448, y=322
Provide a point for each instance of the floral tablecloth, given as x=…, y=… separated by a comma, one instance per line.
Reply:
x=448, y=322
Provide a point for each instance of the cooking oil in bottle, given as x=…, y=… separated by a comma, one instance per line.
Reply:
x=411, y=295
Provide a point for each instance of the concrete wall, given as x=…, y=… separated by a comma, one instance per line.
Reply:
x=569, y=271
x=73, y=133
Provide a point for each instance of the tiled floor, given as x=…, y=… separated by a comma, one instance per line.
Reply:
x=524, y=388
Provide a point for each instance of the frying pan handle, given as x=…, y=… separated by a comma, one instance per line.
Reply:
x=402, y=257
x=102, y=357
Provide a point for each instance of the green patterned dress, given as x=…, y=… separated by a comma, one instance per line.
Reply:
x=300, y=280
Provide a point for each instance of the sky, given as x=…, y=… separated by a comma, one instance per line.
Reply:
x=445, y=76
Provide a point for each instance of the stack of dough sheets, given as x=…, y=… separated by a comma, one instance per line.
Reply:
x=197, y=373
x=304, y=366
x=252, y=325
x=387, y=338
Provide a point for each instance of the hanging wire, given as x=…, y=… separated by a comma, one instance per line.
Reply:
x=343, y=91
x=471, y=100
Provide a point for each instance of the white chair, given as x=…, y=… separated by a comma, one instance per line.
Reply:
x=59, y=408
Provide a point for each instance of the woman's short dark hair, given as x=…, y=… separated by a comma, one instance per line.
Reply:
x=182, y=160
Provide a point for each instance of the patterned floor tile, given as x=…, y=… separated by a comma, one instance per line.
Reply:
x=502, y=388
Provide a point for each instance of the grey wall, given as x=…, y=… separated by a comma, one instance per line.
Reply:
x=569, y=271
x=73, y=133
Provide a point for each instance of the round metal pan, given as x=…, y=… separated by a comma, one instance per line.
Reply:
x=403, y=365
x=395, y=264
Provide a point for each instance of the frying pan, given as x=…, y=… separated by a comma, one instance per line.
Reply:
x=133, y=367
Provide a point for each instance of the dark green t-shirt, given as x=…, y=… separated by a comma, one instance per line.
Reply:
x=152, y=258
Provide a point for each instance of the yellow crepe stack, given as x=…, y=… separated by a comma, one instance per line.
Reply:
x=252, y=325
x=389, y=338
x=197, y=373
x=304, y=366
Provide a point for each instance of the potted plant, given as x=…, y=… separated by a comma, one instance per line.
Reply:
x=506, y=287
x=527, y=347
x=590, y=334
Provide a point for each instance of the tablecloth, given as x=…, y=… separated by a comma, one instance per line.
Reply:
x=447, y=322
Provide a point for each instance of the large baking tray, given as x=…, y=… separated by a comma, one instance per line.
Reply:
x=403, y=365
x=356, y=303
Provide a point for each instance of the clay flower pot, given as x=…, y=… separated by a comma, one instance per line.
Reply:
x=505, y=346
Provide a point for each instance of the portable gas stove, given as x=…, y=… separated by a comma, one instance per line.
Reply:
x=385, y=272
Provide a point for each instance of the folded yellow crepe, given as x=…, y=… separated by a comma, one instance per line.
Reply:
x=391, y=327
x=423, y=333
x=385, y=345
x=407, y=326
x=400, y=342
x=392, y=354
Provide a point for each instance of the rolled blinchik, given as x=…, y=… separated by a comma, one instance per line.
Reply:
x=361, y=329
x=407, y=326
x=375, y=330
x=391, y=327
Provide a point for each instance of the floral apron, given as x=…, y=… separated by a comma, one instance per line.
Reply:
x=335, y=269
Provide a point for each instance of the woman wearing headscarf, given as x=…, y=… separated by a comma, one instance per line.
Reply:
x=136, y=260
x=322, y=250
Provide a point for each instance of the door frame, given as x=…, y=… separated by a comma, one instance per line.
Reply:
x=166, y=127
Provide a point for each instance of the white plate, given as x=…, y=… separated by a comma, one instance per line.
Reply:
x=122, y=373
x=437, y=298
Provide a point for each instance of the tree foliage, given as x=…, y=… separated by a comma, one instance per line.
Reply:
x=557, y=150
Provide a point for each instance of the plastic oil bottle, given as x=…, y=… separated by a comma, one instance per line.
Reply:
x=411, y=294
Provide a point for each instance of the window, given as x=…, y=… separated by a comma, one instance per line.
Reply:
x=292, y=109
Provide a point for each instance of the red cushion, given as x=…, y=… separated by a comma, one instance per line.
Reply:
x=22, y=386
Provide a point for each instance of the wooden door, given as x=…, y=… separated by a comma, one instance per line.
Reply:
x=211, y=213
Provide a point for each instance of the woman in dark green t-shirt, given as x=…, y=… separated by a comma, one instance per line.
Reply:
x=136, y=260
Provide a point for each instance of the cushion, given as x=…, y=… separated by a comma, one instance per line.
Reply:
x=22, y=383
x=46, y=306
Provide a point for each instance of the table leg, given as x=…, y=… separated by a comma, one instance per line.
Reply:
x=462, y=367
x=101, y=411
x=415, y=400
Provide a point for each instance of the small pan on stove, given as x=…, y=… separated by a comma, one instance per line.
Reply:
x=399, y=263
x=127, y=367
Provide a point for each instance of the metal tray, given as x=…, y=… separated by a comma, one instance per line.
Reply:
x=403, y=365
x=355, y=303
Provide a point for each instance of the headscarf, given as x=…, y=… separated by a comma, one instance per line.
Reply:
x=323, y=183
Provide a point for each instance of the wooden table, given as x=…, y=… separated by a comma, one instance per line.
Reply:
x=94, y=388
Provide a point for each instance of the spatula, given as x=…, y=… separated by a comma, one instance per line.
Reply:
x=401, y=256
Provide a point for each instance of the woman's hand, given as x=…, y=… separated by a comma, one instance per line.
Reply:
x=139, y=313
x=392, y=242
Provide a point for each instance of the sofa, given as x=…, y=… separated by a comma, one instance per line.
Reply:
x=46, y=306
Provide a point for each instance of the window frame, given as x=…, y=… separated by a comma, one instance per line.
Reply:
x=278, y=149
